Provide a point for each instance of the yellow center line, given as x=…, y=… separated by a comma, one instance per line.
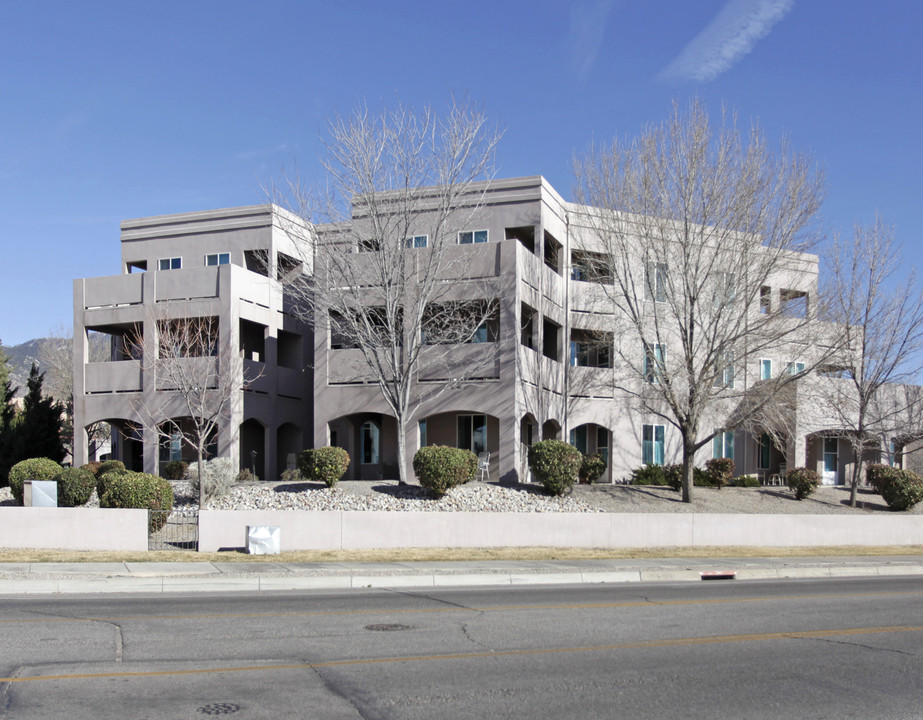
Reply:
x=672, y=642
x=457, y=608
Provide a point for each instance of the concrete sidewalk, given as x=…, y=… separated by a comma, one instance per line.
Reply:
x=185, y=577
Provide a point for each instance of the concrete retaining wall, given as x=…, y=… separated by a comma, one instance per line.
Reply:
x=73, y=529
x=357, y=530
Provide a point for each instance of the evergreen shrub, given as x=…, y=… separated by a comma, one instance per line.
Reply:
x=324, y=464
x=175, y=469
x=75, y=486
x=802, y=481
x=109, y=465
x=720, y=471
x=648, y=475
x=746, y=481
x=901, y=489
x=556, y=465
x=439, y=468
x=139, y=490
x=102, y=479
x=32, y=469
x=592, y=467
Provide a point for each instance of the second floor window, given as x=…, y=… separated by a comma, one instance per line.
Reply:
x=655, y=282
x=652, y=444
x=765, y=369
x=794, y=367
x=417, y=241
x=170, y=263
x=472, y=236
x=653, y=362
x=218, y=259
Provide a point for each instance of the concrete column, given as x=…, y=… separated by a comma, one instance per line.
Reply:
x=508, y=468
x=269, y=462
x=80, y=357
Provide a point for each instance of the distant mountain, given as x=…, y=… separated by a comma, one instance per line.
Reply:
x=57, y=357
x=21, y=358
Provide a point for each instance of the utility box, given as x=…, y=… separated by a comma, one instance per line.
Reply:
x=40, y=493
x=262, y=540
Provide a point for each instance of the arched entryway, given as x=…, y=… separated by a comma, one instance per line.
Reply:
x=253, y=447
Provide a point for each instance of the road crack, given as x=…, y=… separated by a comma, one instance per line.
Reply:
x=853, y=644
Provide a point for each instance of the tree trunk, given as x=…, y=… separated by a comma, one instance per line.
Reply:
x=856, y=474
x=688, y=466
x=201, y=466
x=401, y=451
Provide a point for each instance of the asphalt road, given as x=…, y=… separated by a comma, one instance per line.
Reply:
x=835, y=648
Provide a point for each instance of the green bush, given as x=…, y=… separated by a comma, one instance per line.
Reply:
x=901, y=489
x=139, y=490
x=556, y=465
x=592, y=467
x=439, y=468
x=720, y=471
x=108, y=466
x=802, y=481
x=34, y=469
x=746, y=481
x=175, y=469
x=75, y=486
x=673, y=475
x=648, y=475
x=103, y=478
x=92, y=466
x=324, y=464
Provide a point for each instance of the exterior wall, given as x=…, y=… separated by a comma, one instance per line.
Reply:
x=73, y=529
x=278, y=398
x=360, y=530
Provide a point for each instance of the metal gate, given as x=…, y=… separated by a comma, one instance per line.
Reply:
x=170, y=530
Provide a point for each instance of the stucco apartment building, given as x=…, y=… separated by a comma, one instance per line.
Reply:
x=546, y=365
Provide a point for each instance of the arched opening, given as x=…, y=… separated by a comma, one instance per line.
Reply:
x=593, y=439
x=551, y=430
x=178, y=441
x=371, y=441
x=126, y=443
x=253, y=447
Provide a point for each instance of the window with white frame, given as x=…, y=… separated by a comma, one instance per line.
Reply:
x=654, y=358
x=725, y=375
x=794, y=367
x=655, y=286
x=470, y=237
x=765, y=369
x=223, y=258
x=722, y=445
x=417, y=241
x=170, y=263
x=369, y=443
x=652, y=444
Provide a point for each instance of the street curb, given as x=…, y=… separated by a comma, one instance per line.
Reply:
x=64, y=584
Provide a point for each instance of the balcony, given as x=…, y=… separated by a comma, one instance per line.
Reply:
x=112, y=377
x=113, y=291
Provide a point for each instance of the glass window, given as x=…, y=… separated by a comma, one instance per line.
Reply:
x=423, y=433
x=794, y=367
x=653, y=362
x=368, y=440
x=602, y=443
x=578, y=438
x=218, y=259
x=170, y=263
x=765, y=449
x=472, y=433
x=723, y=445
x=417, y=241
x=472, y=236
x=656, y=282
x=725, y=376
x=765, y=369
x=652, y=444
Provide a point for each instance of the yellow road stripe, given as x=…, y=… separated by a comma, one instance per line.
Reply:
x=674, y=642
x=456, y=608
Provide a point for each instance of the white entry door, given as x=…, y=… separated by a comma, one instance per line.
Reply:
x=830, y=461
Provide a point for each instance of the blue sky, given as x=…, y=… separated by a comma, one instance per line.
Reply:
x=116, y=110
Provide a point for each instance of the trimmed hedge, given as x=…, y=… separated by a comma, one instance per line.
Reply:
x=324, y=464
x=107, y=466
x=802, y=481
x=901, y=489
x=139, y=490
x=32, y=469
x=592, y=467
x=439, y=468
x=175, y=469
x=556, y=465
x=746, y=481
x=648, y=475
x=103, y=478
x=720, y=471
x=75, y=486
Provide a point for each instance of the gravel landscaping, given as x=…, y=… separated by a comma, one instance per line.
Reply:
x=483, y=497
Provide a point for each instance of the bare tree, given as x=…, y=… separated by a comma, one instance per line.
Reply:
x=197, y=378
x=56, y=359
x=402, y=191
x=695, y=229
x=880, y=317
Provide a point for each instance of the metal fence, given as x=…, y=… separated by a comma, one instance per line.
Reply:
x=171, y=531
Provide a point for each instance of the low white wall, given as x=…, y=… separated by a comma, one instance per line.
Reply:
x=357, y=530
x=73, y=528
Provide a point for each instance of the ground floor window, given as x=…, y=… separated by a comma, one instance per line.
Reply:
x=765, y=446
x=422, y=427
x=652, y=444
x=602, y=444
x=472, y=433
x=723, y=445
x=578, y=438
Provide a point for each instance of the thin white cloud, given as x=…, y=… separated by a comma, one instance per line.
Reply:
x=585, y=36
x=729, y=37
